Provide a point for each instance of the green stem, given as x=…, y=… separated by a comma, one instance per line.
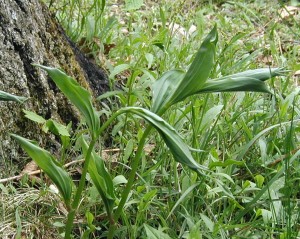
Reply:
x=75, y=204
x=111, y=231
x=71, y=214
x=109, y=121
x=130, y=182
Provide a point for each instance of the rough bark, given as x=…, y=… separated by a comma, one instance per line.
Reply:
x=29, y=34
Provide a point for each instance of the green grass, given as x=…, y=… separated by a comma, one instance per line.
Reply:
x=245, y=195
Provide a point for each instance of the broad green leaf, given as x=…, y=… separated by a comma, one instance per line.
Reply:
x=195, y=231
x=34, y=117
x=118, y=69
x=89, y=218
x=178, y=148
x=200, y=68
x=266, y=215
x=210, y=116
x=226, y=163
x=120, y=179
x=164, y=88
x=57, y=128
x=4, y=96
x=149, y=57
x=128, y=150
x=259, y=179
x=50, y=166
x=208, y=222
x=133, y=4
x=100, y=177
x=251, y=80
x=79, y=96
x=153, y=233
x=174, y=86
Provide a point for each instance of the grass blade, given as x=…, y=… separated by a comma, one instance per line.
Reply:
x=183, y=197
x=19, y=225
x=249, y=206
x=153, y=233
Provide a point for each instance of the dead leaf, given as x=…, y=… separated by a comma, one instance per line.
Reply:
x=266, y=59
x=297, y=73
x=30, y=167
x=288, y=11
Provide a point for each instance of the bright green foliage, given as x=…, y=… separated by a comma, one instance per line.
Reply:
x=251, y=80
x=34, y=117
x=153, y=233
x=53, y=126
x=50, y=166
x=265, y=189
x=4, y=96
x=133, y=4
x=164, y=88
x=91, y=227
x=171, y=137
x=57, y=128
x=79, y=96
x=175, y=86
x=236, y=135
x=100, y=177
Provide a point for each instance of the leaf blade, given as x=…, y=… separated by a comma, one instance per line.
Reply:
x=4, y=96
x=174, y=86
x=50, y=166
x=250, y=80
x=100, y=177
x=178, y=148
x=79, y=96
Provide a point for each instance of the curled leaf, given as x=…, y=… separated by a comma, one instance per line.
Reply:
x=178, y=148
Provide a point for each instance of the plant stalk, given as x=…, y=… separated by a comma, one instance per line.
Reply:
x=75, y=204
x=130, y=182
x=71, y=214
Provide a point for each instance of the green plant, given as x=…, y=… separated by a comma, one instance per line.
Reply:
x=171, y=88
x=4, y=96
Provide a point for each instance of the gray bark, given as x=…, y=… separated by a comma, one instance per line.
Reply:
x=29, y=34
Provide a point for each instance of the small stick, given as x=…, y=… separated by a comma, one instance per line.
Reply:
x=35, y=172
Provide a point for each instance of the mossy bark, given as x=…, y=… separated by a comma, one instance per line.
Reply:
x=30, y=34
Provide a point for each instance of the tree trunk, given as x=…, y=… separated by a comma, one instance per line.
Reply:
x=29, y=34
